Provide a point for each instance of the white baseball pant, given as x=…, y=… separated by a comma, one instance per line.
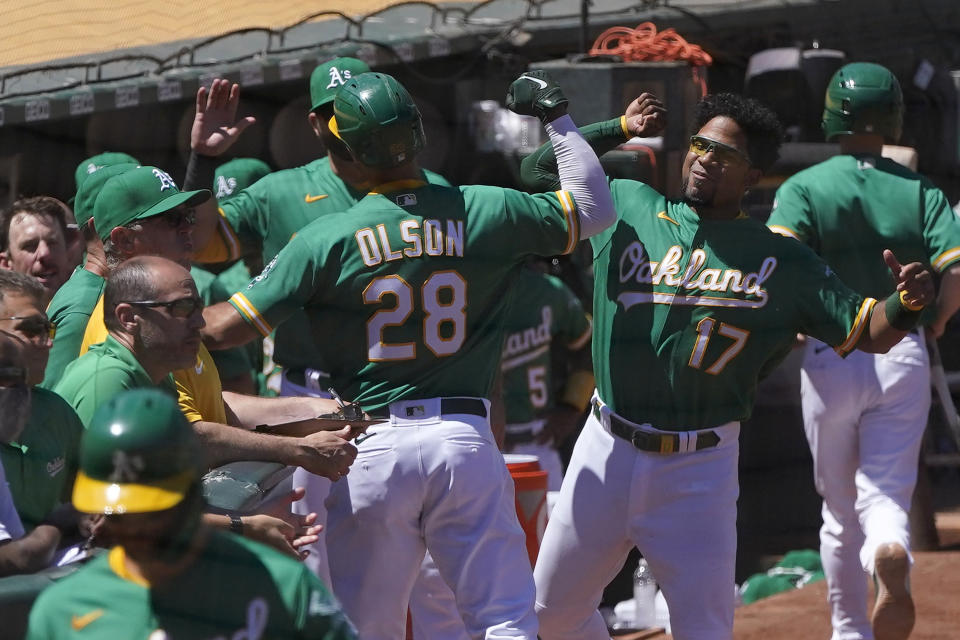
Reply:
x=436, y=482
x=433, y=607
x=864, y=417
x=679, y=510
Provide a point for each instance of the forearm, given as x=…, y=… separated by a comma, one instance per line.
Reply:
x=223, y=444
x=881, y=334
x=582, y=176
x=255, y=410
x=225, y=327
x=30, y=553
x=538, y=171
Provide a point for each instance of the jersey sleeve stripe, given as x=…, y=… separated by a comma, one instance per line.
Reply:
x=250, y=313
x=579, y=343
x=623, y=127
x=573, y=222
x=863, y=319
x=229, y=235
x=946, y=259
x=784, y=231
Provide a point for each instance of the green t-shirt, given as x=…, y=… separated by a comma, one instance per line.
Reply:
x=850, y=208
x=406, y=291
x=40, y=466
x=543, y=310
x=234, y=589
x=70, y=311
x=689, y=314
x=101, y=373
x=269, y=212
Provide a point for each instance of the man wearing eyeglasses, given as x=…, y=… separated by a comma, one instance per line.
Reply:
x=41, y=432
x=694, y=301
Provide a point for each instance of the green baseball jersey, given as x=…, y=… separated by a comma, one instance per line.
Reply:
x=234, y=589
x=41, y=464
x=70, y=311
x=269, y=212
x=406, y=291
x=101, y=373
x=543, y=310
x=850, y=208
x=690, y=313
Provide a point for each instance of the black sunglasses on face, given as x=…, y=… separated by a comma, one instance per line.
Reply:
x=34, y=326
x=179, y=308
x=724, y=154
x=177, y=217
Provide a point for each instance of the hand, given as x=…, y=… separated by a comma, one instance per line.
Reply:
x=215, y=127
x=535, y=94
x=646, y=116
x=914, y=280
x=328, y=453
x=561, y=422
x=281, y=535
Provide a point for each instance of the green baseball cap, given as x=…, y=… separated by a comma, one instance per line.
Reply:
x=237, y=174
x=90, y=188
x=328, y=77
x=140, y=193
x=95, y=163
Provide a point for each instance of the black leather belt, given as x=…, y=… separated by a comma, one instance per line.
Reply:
x=448, y=406
x=654, y=442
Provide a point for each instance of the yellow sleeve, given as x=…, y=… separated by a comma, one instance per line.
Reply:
x=96, y=331
x=224, y=245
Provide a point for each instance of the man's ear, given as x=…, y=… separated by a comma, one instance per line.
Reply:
x=5, y=260
x=753, y=177
x=126, y=315
x=122, y=238
x=315, y=124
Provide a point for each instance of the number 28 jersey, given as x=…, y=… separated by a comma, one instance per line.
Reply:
x=689, y=314
x=407, y=290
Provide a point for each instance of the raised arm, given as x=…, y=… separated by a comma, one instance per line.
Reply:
x=645, y=117
x=534, y=93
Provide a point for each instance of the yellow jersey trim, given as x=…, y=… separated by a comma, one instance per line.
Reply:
x=396, y=185
x=116, y=559
x=624, y=128
x=223, y=246
x=946, y=258
x=573, y=221
x=579, y=343
x=784, y=231
x=96, y=329
x=862, y=321
x=250, y=313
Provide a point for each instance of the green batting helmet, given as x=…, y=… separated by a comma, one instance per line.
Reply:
x=138, y=455
x=863, y=97
x=378, y=121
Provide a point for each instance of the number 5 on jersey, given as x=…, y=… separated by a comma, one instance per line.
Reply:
x=443, y=298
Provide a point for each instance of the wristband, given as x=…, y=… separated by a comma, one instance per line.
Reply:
x=909, y=306
x=236, y=525
x=900, y=315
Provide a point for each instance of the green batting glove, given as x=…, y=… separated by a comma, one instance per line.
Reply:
x=535, y=94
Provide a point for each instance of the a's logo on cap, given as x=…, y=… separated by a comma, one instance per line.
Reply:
x=126, y=468
x=93, y=168
x=166, y=182
x=338, y=78
x=225, y=186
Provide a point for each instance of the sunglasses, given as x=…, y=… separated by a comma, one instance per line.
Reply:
x=178, y=217
x=724, y=154
x=179, y=308
x=34, y=327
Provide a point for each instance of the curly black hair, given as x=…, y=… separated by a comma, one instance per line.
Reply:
x=760, y=124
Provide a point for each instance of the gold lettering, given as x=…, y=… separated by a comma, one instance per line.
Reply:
x=369, y=250
x=408, y=230
x=389, y=253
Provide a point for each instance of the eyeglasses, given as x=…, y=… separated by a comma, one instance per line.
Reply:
x=724, y=154
x=175, y=218
x=179, y=308
x=34, y=327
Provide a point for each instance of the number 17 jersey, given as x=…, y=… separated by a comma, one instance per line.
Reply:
x=407, y=290
x=689, y=314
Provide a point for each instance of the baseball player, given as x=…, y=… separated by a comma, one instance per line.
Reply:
x=169, y=575
x=865, y=415
x=268, y=214
x=537, y=421
x=405, y=293
x=693, y=302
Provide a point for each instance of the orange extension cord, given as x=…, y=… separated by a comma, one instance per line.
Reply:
x=646, y=44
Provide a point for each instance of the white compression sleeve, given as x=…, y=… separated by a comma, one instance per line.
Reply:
x=581, y=174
